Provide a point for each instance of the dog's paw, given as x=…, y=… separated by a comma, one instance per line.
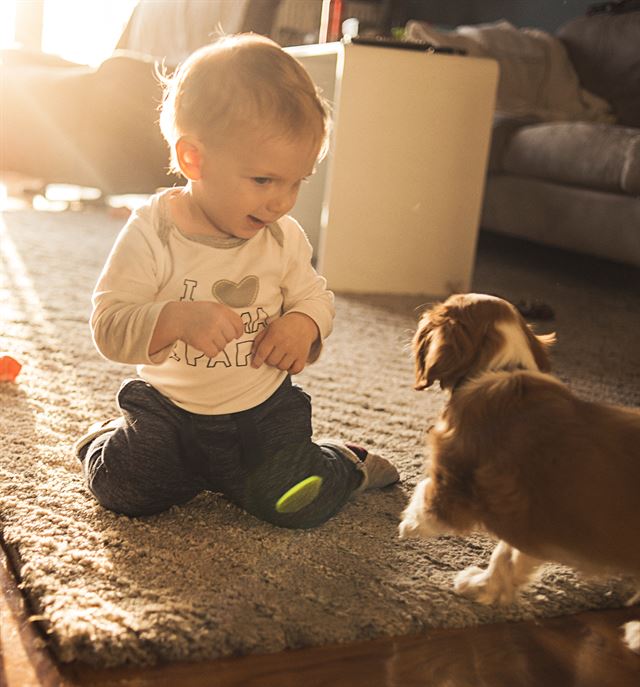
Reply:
x=632, y=635
x=413, y=514
x=479, y=585
x=409, y=528
x=416, y=522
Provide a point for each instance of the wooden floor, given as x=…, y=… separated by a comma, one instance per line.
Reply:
x=576, y=651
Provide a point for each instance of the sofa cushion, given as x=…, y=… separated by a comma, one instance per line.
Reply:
x=577, y=219
x=597, y=156
x=605, y=52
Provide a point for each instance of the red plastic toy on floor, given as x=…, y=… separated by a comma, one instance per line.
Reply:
x=9, y=368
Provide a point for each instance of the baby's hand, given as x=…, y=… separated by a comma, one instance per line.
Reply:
x=285, y=343
x=209, y=327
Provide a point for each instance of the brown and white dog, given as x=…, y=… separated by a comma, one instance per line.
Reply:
x=517, y=454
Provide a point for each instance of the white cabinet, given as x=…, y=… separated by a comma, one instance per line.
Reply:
x=395, y=206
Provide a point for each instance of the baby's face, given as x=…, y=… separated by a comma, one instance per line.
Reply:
x=252, y=180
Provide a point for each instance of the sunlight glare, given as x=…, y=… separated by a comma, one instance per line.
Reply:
x=7, y=23
x=84, y=32
x=30, y=303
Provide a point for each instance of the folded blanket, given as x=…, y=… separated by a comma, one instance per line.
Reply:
x=537, y=78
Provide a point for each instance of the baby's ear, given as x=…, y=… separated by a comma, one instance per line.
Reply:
x=189, y=154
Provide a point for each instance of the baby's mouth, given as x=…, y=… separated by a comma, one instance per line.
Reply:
x=257, y=221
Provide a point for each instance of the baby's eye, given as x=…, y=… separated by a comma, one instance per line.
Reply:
x=261, y=181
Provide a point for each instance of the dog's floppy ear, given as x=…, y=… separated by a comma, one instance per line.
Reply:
x=443, y=351
x=420, y=346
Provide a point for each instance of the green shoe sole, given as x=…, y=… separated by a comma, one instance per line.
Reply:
x=300, y=495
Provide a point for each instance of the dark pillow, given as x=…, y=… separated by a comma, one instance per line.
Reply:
x=605, y=52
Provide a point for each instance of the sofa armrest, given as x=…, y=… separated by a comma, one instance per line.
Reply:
x=504, y=127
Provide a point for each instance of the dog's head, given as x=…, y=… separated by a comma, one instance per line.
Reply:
x=471, y=333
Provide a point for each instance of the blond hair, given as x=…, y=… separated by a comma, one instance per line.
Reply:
x=243, y=80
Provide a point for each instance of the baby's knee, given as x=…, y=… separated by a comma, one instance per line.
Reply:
x=113, y=495
x=119, y=487
x=307, y=516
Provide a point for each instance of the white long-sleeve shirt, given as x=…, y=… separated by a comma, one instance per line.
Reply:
x=152, y=263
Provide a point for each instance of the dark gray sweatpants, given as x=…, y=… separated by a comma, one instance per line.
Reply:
x=165, y=455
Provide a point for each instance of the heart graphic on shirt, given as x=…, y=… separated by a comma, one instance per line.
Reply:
x=236, y=295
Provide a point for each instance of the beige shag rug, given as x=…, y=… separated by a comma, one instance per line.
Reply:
x=207, y=580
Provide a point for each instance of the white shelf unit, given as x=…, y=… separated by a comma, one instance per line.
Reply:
x=395, y=207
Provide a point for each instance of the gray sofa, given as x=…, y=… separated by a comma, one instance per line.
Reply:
x=576, y=184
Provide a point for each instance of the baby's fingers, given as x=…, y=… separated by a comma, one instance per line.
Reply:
x=297, y=367
x=230, y=330
x=238, y=326
x=260, y=350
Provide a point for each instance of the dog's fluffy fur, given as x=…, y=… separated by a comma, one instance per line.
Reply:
x=517, y=454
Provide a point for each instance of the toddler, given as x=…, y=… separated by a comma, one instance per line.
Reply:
x=210, y=291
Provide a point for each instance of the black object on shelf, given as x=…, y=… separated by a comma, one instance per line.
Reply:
x=385, y=42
